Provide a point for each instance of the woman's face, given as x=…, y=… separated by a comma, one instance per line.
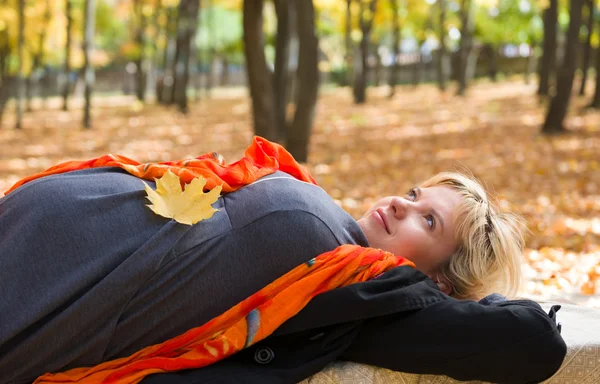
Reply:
x=418, y=226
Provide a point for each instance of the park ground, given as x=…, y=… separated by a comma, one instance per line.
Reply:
x=359, y=153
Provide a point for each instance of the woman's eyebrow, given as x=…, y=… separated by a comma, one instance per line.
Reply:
x=433, y=211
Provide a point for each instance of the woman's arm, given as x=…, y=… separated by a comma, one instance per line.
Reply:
x=507, y=342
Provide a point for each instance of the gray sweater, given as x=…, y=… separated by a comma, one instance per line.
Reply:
x=89, y=273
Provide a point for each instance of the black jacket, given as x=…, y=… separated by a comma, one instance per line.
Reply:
x=403, y=322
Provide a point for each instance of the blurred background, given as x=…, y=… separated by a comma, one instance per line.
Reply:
x=374, y=96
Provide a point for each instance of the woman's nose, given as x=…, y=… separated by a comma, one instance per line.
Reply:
x=399, y=207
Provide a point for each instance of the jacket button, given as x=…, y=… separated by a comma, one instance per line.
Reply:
x=264, y=355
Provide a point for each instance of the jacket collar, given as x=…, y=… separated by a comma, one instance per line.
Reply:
x=400, y=289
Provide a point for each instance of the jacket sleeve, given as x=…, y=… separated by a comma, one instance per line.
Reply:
x=506, y=342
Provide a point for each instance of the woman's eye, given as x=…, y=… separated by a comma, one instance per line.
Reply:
x=430, y=221
x=412, y=194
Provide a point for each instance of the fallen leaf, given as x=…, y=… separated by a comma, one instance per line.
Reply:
x=187, y=206
x=588, y=288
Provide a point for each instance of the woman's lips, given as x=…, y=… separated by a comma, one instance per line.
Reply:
x=380, y=216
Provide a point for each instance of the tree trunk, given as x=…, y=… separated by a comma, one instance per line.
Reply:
x=259, y=77
x=195, y=81
x=548, y=61
x=6, y=92
x=4, y=96
x=188, y=17
x=88, y=69
x=587, y=48
x=224, y=71
x=210, y=71
x=349, y=46
x=378, y=66
x=493, y=57
x=360, y=76
x=5, y=87
x=418, y=67
x=566, y=74
x=38, y=58
x=20, y=44
x=466, y=44
x=284, y=10
x=67, y=68
x=472, y=63
x=170, y=56
x=46, y=87
x=359, y=66
x=140, y=74
x=395, y=69
x=308, y=82
x=28, y=91
x=166, y=83
x=210, y=59
x=441, y=76
x=4, y=53
x=178, y=46
x=531, y=63
x=159, y=33
x=596, y=101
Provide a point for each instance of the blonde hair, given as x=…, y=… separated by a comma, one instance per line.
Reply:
x=488, y=258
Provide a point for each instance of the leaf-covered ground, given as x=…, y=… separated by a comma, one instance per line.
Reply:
x=359, y=153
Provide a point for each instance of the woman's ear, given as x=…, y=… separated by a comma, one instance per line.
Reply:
x=444, y=285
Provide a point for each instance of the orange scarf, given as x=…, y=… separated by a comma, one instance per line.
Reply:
x=259, y=315
x=260, y=159
x=243, y=325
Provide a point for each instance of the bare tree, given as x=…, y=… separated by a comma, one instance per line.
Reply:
x=88, y=69
x=361, y=71
x=308, y=82
x=259, y=77
x=20, y=85
x=587, y=48
x=566, y=74
x=548, y=61
x=396, y=31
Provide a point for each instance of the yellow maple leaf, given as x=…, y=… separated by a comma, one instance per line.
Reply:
x=187, y=206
